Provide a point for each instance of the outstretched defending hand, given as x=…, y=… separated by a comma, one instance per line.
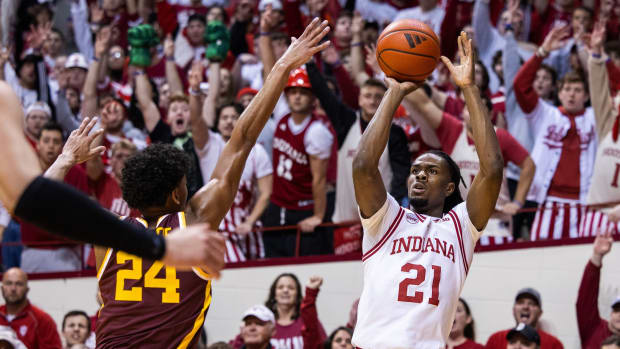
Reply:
x=307, y=45
x=196, y=246
x=79, y=146
x=462, y=74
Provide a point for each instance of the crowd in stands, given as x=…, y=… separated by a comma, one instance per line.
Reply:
x=182, y=72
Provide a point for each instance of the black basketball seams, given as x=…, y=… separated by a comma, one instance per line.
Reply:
x=383, y=35
x=409, y=53
x=397, y=72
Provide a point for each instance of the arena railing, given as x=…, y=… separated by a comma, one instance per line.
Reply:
x=348, y=254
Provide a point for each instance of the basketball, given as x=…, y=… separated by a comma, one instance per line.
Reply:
x=408, y=50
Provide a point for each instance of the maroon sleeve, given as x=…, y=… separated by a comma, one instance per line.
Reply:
x=237, y=342
x=454, y=106
x=77, y=178
x=512, y=150
x=350, y=91
x=497, y=341
x=448, y=132
x=166, y=16
x=524, y=91
x=47, y=334
x=588, y=317
x=449, y=30
x=292, y=17
x=311, y=330
x=614, y=75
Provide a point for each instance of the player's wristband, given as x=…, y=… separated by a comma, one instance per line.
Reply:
x=85, y=220
x=357, y=44
x=596, y=55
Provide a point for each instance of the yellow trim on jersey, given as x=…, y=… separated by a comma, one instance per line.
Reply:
x=108, y=253
x=182, y=221
x=199, y=320
x=143, y=221
x=201, y=273
x=160, y=219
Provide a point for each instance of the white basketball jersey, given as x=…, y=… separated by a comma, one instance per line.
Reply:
x=605, y=184
x=414, y=270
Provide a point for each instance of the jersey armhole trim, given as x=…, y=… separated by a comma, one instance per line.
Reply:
x=459, y=236
x=386, y=236
x=199, y=319
x=104, y=264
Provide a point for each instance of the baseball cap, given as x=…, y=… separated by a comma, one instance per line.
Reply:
x=616, y=303
x=532, y=293
x=246, y=90
x=39, y=106
x=275, y=5
x=261, y=312
x=76, y=60
x=528, y=332
x=299, y=78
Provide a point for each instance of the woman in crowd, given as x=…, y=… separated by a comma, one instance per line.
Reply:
x=340, y=339
x=463, y=335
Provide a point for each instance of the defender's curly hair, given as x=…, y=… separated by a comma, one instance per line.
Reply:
x=151, y=175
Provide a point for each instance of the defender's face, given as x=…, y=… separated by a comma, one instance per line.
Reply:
x=429, y=180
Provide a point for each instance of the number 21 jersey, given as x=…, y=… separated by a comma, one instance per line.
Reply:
x=415, y=267
x=147, y=304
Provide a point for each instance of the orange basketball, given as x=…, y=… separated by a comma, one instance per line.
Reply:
x=408, y=50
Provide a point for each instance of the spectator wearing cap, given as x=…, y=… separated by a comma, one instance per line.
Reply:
x=302, y=146
x=37, y=115
x=245, y=96
x=593, y=329
x=258, y=328
x=76, y=67
x=349, y=125
x=523, y=337
x=527, y=310
x=34, y=327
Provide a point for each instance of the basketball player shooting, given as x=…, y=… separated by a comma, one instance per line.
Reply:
x=416, y=260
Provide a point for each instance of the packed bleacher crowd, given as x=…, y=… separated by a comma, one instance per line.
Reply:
x=181, y=72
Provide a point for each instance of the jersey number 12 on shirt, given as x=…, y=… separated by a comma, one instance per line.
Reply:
x=284, y=168
x=169, y=283
x=418, y=296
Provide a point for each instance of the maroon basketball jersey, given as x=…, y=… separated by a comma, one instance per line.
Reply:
x=147, y=304
x=291, y=168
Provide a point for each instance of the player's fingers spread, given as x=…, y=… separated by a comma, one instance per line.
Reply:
x=310, y=27
x=97, y=151
x=319, y=32
x=447, y=62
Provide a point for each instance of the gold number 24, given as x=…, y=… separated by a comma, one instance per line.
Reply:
x=169, y=283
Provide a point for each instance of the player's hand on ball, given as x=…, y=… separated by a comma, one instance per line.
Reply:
x=196, y=245
x=307, y=45
x=463, y=73
x=404, y=88
x=315, y=282
x=79, y=146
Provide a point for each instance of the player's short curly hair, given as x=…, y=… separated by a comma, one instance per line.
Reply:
x=151, y=175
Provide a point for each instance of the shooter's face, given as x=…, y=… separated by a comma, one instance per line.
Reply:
x=429, y=181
